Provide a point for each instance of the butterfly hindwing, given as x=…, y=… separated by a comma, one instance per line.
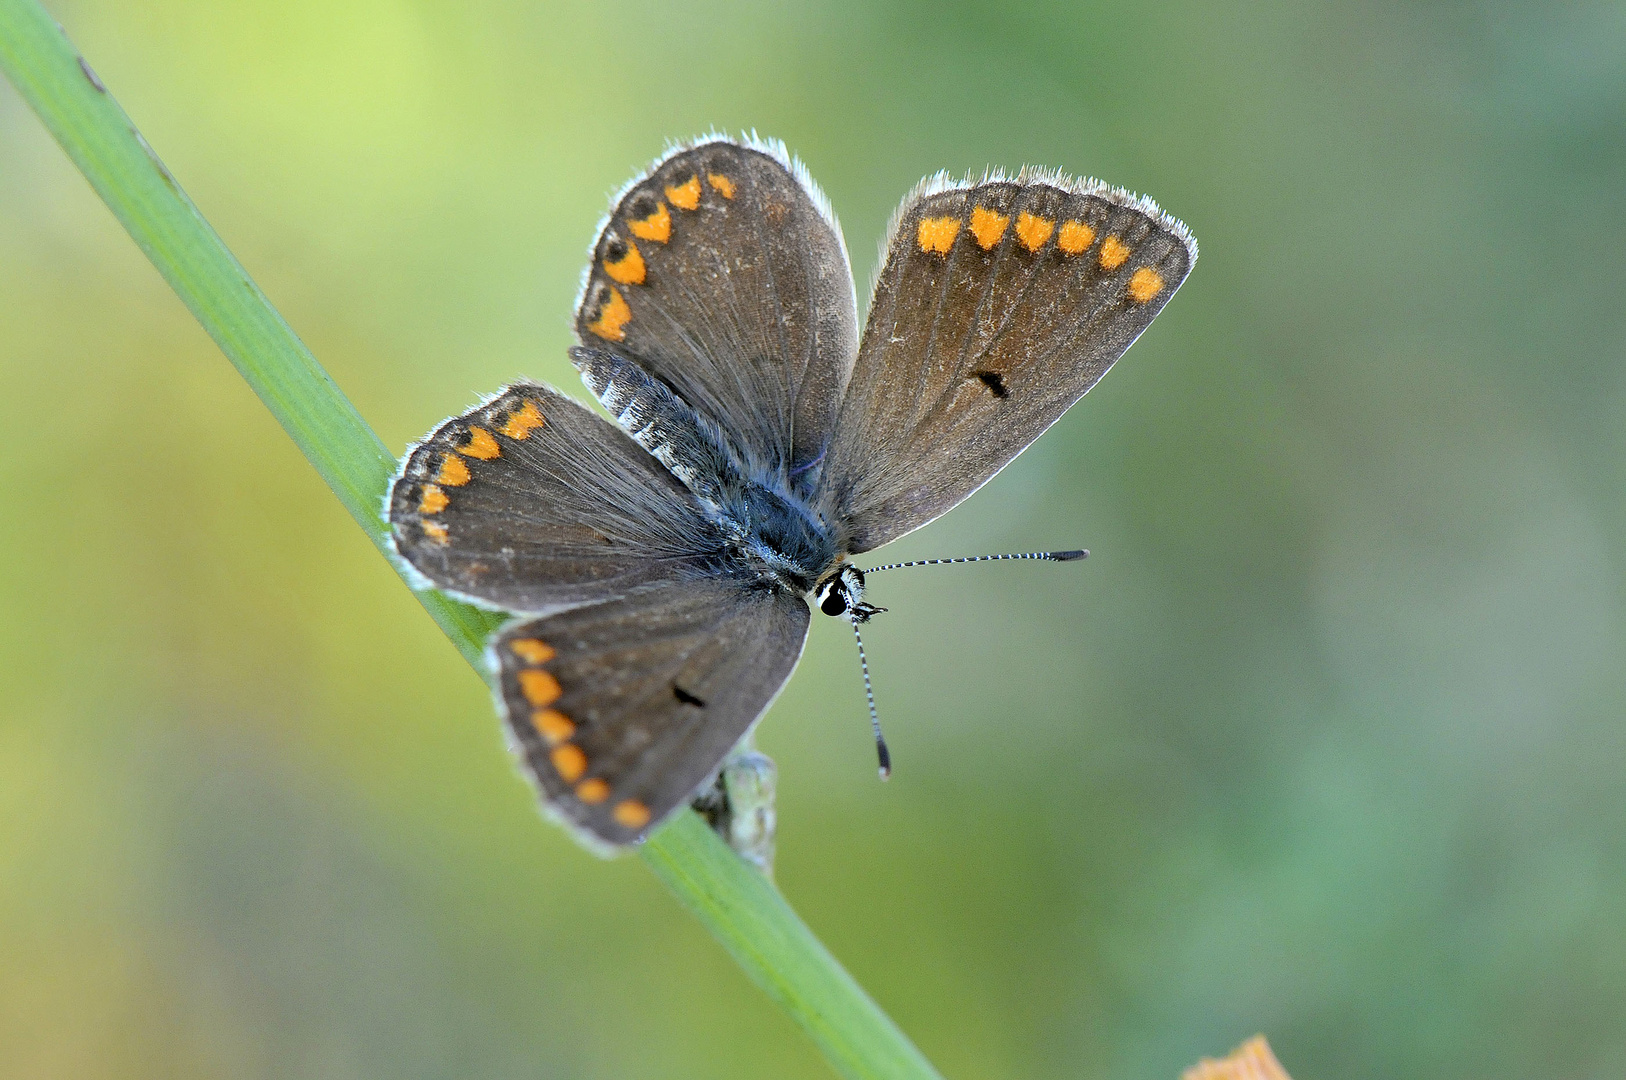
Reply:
x=532, y=503
x=999, y=305
x=723, y=274
x=622, y=709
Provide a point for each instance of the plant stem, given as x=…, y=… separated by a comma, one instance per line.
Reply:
x=738, y=905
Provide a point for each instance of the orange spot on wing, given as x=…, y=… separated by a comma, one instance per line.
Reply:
x=936, y=234
x=433, y=501
x=522, y=421
x=435, y=531
x=592, y=791
x=453, y=472
x=629, y=269
x=631, y=814
x=1144, y=284
x=539, y=686
x=988, y=226
x=1113, y=253
x=721, y=184
x=656, y=227
x=553, y=725
x=532, y=650
x=685, y=196
x=1033, y=231
x=481, y=445
x=1075, y=236
x=613, y=317
x=569, y=760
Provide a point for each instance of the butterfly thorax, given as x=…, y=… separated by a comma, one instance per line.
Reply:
x=765, y=521
x=784, y=538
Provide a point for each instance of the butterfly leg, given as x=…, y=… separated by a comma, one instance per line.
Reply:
x=740, y=805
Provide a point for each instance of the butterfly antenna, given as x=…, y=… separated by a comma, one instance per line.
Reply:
x=1045, y=556
x=881, y=751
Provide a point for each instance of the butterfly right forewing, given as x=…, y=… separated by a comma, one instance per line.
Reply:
x=1000, y=304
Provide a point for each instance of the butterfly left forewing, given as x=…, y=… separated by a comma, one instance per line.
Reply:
x=621, y=709
x=999, y=305
x=722, y=273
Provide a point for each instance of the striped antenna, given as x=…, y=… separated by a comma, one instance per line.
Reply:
x=1045, y=556
x=858, y=612
x=881, y=751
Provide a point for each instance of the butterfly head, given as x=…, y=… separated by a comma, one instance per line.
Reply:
x=842, y=593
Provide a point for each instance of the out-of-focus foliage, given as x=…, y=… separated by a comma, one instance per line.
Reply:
x=1327, y=739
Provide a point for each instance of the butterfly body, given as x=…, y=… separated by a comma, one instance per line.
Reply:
x=764, y=516
x=661, y=565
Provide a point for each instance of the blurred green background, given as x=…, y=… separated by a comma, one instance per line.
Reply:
x=1325, y=740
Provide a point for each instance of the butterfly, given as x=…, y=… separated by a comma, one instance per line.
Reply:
x=660, y=566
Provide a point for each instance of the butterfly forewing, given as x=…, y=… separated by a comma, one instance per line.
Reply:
x=722, y=274
x=532, y=503
x=622, y=709
x=999, y=306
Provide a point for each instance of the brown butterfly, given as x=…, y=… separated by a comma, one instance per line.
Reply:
x=661, y=565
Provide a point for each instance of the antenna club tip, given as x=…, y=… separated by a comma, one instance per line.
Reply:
x=1069, y=556
x=886, y=772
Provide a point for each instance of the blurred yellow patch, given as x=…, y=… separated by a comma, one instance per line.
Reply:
x=1250, y=1061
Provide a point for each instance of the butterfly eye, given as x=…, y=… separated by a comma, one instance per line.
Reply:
x=831, y=597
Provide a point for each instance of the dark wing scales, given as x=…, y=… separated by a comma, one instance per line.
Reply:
x=722, y=274
x=532, y=503
x=999, y=306
x=621, y=710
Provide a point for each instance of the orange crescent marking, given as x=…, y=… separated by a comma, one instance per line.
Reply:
x=569, y=760
x=592, y=791
x=629, y=269
x=613, y=318
x=1144, y=284
x=656, y=227
x=1075, y=237
x=481, y=445
x=532, y=650
x=522, y=421
x=632, y=814
x=988, y=226
x=539, y=686
x=434, y=500
x=936, y=235
x=453, y=472
x=553, y=725
x=685, y=196
x=1113, y=253
x=1033, y=231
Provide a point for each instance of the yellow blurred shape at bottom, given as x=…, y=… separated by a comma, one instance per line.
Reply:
x=1250, y=1061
